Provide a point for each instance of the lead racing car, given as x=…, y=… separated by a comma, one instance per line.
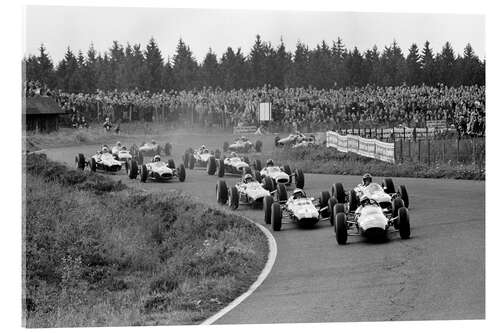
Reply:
x=157, y=170
x=247, y=192
x=242, y=145
x=300, y=209
x=103, y=160
x=121, y=153
x=202, y=158
x=371, y=217
x=151, y=149
x=279, y=175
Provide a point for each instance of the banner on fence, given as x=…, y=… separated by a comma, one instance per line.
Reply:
x=439, y=124
x=244, y=129
x=371, y=148
x=265, y=111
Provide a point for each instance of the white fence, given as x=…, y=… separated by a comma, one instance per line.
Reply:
x=372, y=148
x=399, y=132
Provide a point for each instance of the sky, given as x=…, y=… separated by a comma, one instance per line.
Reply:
x=77, y=27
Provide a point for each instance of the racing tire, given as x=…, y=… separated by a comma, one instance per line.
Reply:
x=140, y=158
x=268, y=183
x=93, y=165
x=389, y=186
x=167, y=148
x=287, y=169
x=225, y=146
x=181, y=172
x=331, y=205
x=221, y=192
x=323, y=202
x=267, y=203
x=80, y=161
x=246, y=159
x=276, y=216
x=338, y=192
x=220, y=168
x=127, y=166
x=211, y=166
x=299, y=178
x=396, y=204
x=404, y=195
x=404, y=223
x=276, y=141
x=234, y=198
x=353, y=201
x=258, y=176
x=258, y=165
x=281, y=193
x=144, y=173
x=192, y=160
x=258, y=146
x=133, y=170
x=217, y=153
x=340, y=228
x=171, y=164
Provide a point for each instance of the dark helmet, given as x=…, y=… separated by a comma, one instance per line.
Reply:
x=247, y=178
x=157, y=158
x=367, y=179
x=299, y=193
x=269, y=162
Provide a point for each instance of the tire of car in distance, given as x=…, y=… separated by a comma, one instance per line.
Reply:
x=80, y=161
x=404, y=195
x=234, y=198
x=340, y=228
x=93, y=165
x=268, y=183
x=338, y=192
x=221, y=192
x=323, y=203
x=171, y=164
x=389, y=186
x=258, y=165
x=353, y=201
x=299, y=178
x=133, y=170
x=331, y=205
x=396, y=204
x=144, y=173
x=267, y=203
x=211, y=165
x=181, y=172
x=140, y=158
x=404, y=223
x=281, y=193
x=258, y=176
x=276, y=216
x=220, y=168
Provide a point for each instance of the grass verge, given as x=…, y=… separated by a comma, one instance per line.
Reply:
x=99, y=254
x=325, y=160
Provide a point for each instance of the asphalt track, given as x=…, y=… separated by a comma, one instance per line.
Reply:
x=438, y=274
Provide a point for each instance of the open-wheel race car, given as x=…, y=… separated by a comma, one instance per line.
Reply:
x=202, y=158
x=247, y=192
x=243, y=145
x=291, y=139
x=300, y=209
x=103, y=160
x=233, y=164
x=121, y=153
x=157, y=170
x=279, y=174
x=369, y=211
x=150, y=149
x=306, y=142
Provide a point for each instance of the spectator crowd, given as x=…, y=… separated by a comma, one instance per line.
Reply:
x=304, y=109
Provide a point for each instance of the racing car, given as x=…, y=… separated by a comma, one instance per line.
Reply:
x=291, y=139
x=299, y=208
x=248, y=191
x=202, y=158
x=243, y=145
x=103, y=160
x=157, y=170
x=233, y=164
x=306, y=142
x=150, y=149
x=121, y=153
x=279, y=175
x=372, y=216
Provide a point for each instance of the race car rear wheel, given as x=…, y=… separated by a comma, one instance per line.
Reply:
x=389, y=186
x=80, y=161
x=171, y=164
x=323, y=202
x=267, y=203
x=211, y=165
x=181, y=172
x=268, y=184
x=299, y=178
x=144, y=173
x=221, y=192
x=338, y=192
x=281, y=193
x=234, y=198
x=258, y=176
x=192, y=160
x=258, y=165
x=396, y=204
x=353, y=201
x=340, y=228
x=404, y=223
x=93, y=165
x=140, y=158
x=276, y=216
x=133, y=170
x=404, y=195
x=220, y=168
x=331, y=205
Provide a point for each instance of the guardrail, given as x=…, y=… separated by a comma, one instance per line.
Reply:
x=372, y=148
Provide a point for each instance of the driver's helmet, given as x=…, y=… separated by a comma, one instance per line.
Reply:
x=157, y=158
x=153, y=142
x=269, y=163
x=247, y=178
x=298, y=193
x=107, y=119
x=202, y=148
x=105, y=150
x=118, y=144
x=233, y=154
x=367, y=179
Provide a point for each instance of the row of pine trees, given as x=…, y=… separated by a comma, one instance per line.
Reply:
x=324, y=66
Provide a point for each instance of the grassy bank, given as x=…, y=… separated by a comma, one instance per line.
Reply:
x=330, y=161
x=100, y=254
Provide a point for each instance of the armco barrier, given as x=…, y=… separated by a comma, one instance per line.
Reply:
x=371, y=148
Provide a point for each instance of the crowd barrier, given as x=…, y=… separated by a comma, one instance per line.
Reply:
x=398, y=132
x=244, y=129
x=371, y=148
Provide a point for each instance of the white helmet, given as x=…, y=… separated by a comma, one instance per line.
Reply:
x=299, y=193
x=157, y=158
x=247, y=178
x=105, y=149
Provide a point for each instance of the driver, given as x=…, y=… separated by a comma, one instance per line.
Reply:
x=269, y=163
x=367, y=180
x=202, y=148
x=248, y=178
x=118, y=144
x=298, y=193
x=104, y=150
x=153, y=142
x=157, y=158
x=233, y=154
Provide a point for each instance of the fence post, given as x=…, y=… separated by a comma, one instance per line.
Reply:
x=428, y=152
x=427, y=133
x=404, y=133
x=419, y=150
x=444, y=151
x=98, y=118
x=401, y=147
x=458, y=148
x=409, y=150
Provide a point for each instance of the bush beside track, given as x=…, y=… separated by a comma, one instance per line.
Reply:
x=325, y=160
x=99, y=254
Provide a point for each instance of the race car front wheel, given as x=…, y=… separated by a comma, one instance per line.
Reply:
x=340, y=228
x=276, y=216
